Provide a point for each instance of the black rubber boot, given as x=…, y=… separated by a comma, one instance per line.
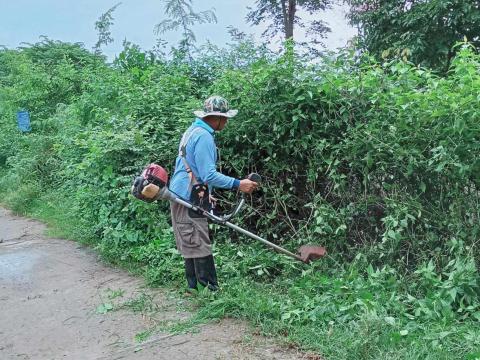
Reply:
x=190, y=273
x=206, y=272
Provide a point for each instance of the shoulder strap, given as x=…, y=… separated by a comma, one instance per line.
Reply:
x=182, y=152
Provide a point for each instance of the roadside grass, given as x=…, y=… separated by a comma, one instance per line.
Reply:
x=370, y=336
x=301, y=308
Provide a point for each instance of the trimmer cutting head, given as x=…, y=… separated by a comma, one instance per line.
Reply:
x=310, y=253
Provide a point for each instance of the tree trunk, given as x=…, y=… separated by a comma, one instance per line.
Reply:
x=288, y=17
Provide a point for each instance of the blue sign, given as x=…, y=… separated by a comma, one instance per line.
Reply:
x=23, y=118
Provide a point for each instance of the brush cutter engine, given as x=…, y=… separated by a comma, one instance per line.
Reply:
x=149, y=184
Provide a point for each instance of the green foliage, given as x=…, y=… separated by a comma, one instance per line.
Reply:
x=378, y=162
x=423, y=31
x=378, y=152
x=282, y=15
x=344, y=315
x=102, y=25
x=180, y=15
x=51, y=53
x=104, y=308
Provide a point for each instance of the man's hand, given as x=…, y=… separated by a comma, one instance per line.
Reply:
x=213, y=200
x=247, y=186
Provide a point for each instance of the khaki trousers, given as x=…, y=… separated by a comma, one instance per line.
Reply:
x=191, y=234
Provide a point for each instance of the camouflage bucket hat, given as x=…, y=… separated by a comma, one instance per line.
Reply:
x=216, y=105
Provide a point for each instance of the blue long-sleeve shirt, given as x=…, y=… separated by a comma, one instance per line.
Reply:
x=201, y=157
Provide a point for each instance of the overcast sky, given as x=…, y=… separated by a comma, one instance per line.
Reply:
x=74, y=21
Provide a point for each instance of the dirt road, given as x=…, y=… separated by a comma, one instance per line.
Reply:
x=59, y=301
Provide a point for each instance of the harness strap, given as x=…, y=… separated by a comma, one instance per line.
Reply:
x=182, y=152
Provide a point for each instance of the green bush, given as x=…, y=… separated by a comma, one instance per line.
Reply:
x=378, y=162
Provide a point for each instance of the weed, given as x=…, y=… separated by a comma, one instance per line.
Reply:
x=104, y=308
x=112, y=294
x=144, y=335
x=143, y=303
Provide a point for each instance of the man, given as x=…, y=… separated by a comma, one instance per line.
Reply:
x=195, y=168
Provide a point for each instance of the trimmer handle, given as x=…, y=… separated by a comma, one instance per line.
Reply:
x=255, y=177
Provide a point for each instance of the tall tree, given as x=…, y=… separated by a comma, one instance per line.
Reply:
x=181, y=16
x=283, y=15
x=102, y=25
x=424, y=30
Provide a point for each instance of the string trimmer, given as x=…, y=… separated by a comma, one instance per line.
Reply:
x=151, y=185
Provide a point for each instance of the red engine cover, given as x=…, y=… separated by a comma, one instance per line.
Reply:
x=156, y=174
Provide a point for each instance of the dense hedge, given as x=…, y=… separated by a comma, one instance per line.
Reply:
x=377, y=162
